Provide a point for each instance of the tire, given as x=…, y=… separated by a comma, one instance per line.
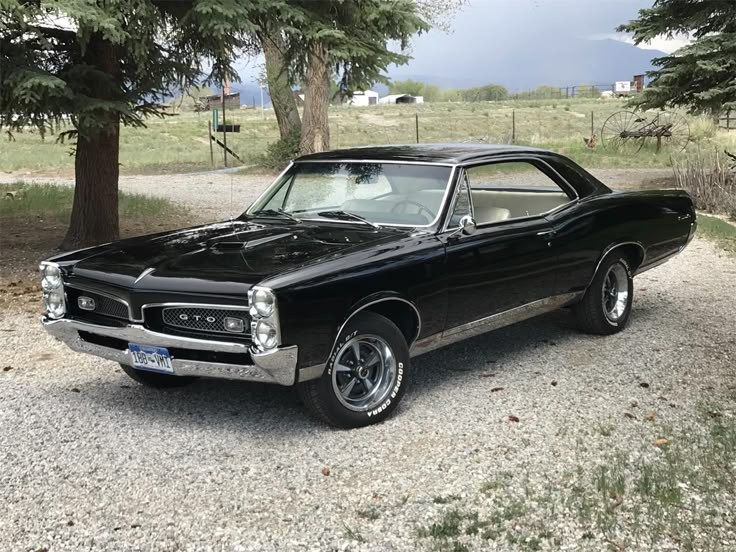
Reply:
x=156, y=380
x=353, y=394
x=606, y=306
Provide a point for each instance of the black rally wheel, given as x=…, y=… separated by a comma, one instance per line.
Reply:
x=606, y=306
x=365, y=376
x=154, y=379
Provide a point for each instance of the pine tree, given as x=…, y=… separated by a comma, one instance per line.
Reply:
x=102, y=63
x=700, y=76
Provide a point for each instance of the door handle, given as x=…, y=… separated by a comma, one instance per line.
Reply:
x=547, y=236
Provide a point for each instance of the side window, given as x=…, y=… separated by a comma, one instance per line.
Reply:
x=512, y=189
x=462, y=205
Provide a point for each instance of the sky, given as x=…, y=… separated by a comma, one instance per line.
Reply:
x=513, y=30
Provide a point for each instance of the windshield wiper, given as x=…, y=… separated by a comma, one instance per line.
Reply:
x=276, y=213
x=349, y=216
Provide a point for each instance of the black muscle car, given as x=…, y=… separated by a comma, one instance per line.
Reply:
x=354, y=261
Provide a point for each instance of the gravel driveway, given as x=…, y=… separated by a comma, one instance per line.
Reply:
x=490, y=448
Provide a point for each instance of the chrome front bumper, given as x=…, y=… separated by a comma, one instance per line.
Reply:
x=277, y=366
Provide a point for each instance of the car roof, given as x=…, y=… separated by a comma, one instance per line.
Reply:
x=452, y=154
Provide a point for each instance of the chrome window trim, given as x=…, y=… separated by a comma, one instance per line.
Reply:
x=514, y=159
x=436, y=220
x=109, y=296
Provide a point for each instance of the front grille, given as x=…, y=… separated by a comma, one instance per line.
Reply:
x=104, y=305
x=204, y=319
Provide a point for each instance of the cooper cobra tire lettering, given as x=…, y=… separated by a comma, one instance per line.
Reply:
x=321, y=396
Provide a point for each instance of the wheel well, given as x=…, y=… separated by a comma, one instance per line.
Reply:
x=401, y=313
x=633, y=253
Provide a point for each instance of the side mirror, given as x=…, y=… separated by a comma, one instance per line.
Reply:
x=467, y=225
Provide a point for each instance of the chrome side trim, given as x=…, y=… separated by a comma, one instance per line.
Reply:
x=109, y=296
x=492, y=322
x=275, y=366
x=610, y=248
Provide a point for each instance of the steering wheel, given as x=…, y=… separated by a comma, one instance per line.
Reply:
x=405, y=202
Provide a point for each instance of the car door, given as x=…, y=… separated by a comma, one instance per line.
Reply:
x=508, y=261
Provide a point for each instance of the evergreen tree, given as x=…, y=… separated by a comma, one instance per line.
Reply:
x=100, y=64
x=700, y=76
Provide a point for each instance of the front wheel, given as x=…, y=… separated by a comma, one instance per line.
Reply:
x=365, y=376
x=154, y=379
x=606, y=306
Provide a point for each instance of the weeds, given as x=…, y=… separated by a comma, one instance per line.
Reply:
x=711, y=181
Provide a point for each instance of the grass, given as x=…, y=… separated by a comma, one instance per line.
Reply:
x=179, y=143
x=719, y=231
x=33, y=224
x=679, y=496
x=54, y=203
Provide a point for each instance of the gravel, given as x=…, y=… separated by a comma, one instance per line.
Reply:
x=89, y=460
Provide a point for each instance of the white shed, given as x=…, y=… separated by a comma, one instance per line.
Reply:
x=364, y=97
x=401, y=99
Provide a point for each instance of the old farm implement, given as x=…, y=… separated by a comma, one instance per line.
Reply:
x=629, y=131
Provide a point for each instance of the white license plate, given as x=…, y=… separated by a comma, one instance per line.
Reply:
x=155, y=359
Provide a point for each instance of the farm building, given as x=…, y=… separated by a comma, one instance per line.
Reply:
x=232, y=101
x=401, y=99
x=363, y=97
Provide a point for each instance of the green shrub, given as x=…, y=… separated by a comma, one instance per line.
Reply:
x=279, y=153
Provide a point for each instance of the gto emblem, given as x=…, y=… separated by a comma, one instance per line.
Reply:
x=196, y=317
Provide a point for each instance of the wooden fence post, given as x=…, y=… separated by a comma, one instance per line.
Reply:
x=416, y=119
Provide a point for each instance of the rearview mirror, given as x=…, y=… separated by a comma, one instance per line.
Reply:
x=467, y=225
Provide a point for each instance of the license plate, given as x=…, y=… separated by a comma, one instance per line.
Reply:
x=155, y=359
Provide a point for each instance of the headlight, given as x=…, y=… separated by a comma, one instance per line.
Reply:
x=263, y=301
x=50, y=276
x=53, y=301
x=265, y=335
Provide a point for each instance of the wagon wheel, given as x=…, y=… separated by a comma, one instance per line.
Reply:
x=672, y=131
x=622, y=132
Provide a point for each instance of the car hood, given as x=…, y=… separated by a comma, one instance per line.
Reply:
x=230, y=255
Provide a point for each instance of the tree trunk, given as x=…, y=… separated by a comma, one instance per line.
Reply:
x=279, y=85
x=315, y=124
x=94, y=217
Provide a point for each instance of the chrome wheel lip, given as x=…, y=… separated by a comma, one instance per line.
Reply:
x=363, y=386
x=615, y=292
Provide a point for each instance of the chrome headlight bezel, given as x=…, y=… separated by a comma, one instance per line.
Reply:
x=264, y=313
x=52, y=283
x=262, y=301
x=50, y=276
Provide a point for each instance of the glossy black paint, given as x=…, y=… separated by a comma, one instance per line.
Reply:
x=322, y=271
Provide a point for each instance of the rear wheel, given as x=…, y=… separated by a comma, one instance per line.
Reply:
x=154, y=379
x=365, y=377
x=606, y=306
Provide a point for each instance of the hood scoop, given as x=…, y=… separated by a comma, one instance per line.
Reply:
x=230, y=244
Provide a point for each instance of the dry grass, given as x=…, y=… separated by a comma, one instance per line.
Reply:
x=710, y=178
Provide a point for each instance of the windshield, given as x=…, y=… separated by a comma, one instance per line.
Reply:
x=379, y=193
